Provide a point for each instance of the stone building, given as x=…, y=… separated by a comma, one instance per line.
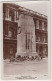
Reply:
x=25, y=32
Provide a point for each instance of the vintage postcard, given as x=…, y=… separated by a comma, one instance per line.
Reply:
x=26, y=40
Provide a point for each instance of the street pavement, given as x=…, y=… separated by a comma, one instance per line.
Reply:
x=37, y=69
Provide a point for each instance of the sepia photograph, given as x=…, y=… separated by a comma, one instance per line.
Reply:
x=26, y=40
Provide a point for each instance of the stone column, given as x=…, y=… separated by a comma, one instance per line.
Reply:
x=6, y=13
x=42, y=25
x=37, y=24
x=15, y=15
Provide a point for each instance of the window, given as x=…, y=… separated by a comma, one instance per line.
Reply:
x=5, y=28
x=44, y=50
x=11, y=14
x=10, y=30
x=45, y=26
x=16, y=15
x=10, y=33
x=11, y=50
x=38, y=37
x=44, y=38
x=37, y=48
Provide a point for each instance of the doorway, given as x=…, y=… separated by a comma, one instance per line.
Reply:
x=41, y=51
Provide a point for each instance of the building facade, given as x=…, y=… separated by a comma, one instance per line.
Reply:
x=25, y=32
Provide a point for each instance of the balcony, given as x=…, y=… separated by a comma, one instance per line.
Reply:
x=10, y=37
x=41, y=39
x=41, y=43
x=10, y=15
x=41, y=31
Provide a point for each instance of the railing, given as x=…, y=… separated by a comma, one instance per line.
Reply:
x=7, y=37
x=41, y=30
x=42, y=42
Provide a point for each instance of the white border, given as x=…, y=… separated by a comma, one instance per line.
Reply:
x=50, y=39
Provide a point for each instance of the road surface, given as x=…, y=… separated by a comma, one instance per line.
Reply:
x=26, y=70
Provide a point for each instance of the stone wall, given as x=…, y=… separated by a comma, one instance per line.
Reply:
x=27, y=27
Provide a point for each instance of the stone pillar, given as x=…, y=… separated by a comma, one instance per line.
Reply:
x=15, y=16
x=9, y=18
x=6, y=13
x=42, y=25
x=37, y=24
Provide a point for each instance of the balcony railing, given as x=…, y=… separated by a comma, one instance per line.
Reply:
x=41, y=30
x=8, y=37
